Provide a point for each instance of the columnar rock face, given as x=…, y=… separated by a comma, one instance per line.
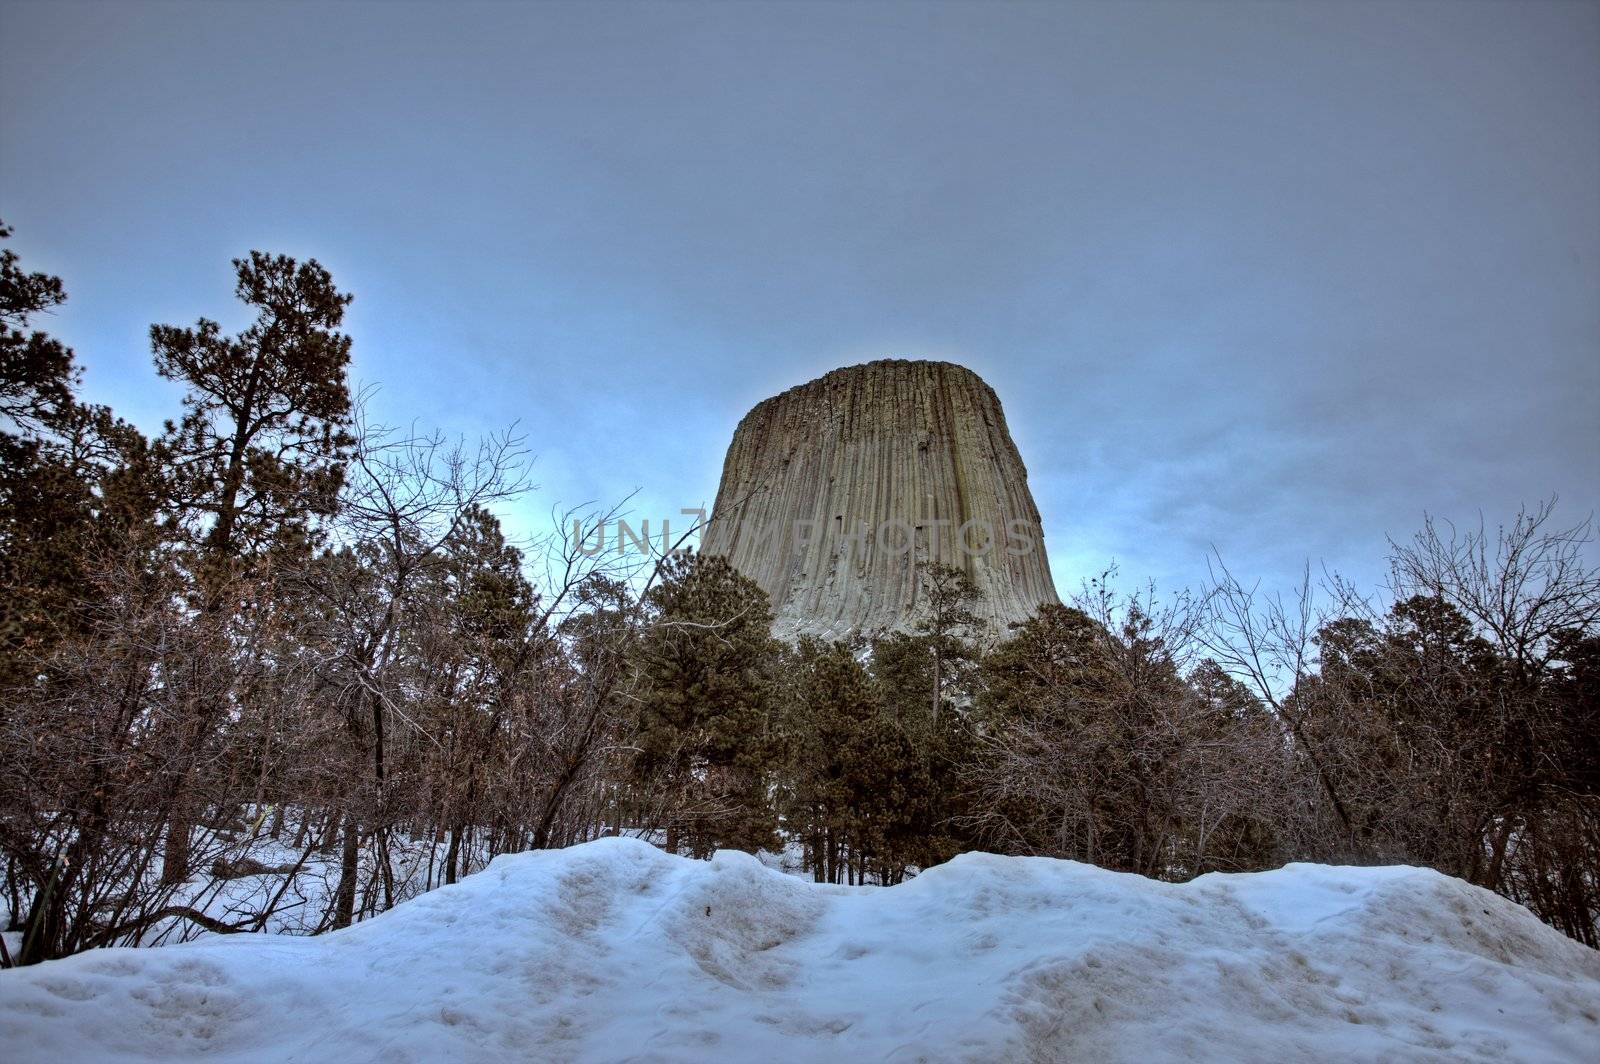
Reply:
x=836, y=491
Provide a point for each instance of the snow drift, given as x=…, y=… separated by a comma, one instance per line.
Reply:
x=615, y=950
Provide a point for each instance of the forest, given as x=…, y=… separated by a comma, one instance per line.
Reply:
x=277, y=619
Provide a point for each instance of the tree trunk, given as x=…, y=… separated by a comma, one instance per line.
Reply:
x=175, y=858
x=452, y=855
x=345, y=895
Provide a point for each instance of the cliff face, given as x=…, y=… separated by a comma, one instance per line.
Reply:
x=833, y=492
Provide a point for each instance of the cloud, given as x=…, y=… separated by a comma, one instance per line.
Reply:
x=1272, y=278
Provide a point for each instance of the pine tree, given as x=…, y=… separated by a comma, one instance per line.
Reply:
x=73, y=479
x=38, y=376
x=705, y=702
x=260, y=448
x=948, y=624
x=833, y=706
x=256, y=458
x=862, y=789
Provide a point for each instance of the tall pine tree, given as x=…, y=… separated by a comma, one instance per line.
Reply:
x=256, y=457
x=705, y=703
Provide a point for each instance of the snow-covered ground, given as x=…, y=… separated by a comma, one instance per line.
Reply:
x=615, y=950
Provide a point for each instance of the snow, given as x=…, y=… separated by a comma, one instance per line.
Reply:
x=615, y=950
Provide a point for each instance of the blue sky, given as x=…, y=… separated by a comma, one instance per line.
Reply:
x=1274, y=278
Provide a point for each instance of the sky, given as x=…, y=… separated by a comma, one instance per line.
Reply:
x=1266, y=279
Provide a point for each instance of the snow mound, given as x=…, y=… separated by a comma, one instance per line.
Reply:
x=615, y=950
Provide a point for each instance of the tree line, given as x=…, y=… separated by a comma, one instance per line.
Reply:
x=277, y=620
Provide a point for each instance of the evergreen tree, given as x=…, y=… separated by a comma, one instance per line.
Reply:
x=935, y=793
x=73, y=479
x=38, y=376
x=1041, y=683
x=705, y=702
x=256, y=457
x=840, y=791
x=44, y=506
x=1426, y=736
x=948, y=626
x=260, y=448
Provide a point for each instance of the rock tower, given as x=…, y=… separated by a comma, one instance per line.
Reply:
x=834, y=492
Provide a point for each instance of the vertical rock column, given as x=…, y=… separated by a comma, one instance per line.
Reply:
x=834, y=491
